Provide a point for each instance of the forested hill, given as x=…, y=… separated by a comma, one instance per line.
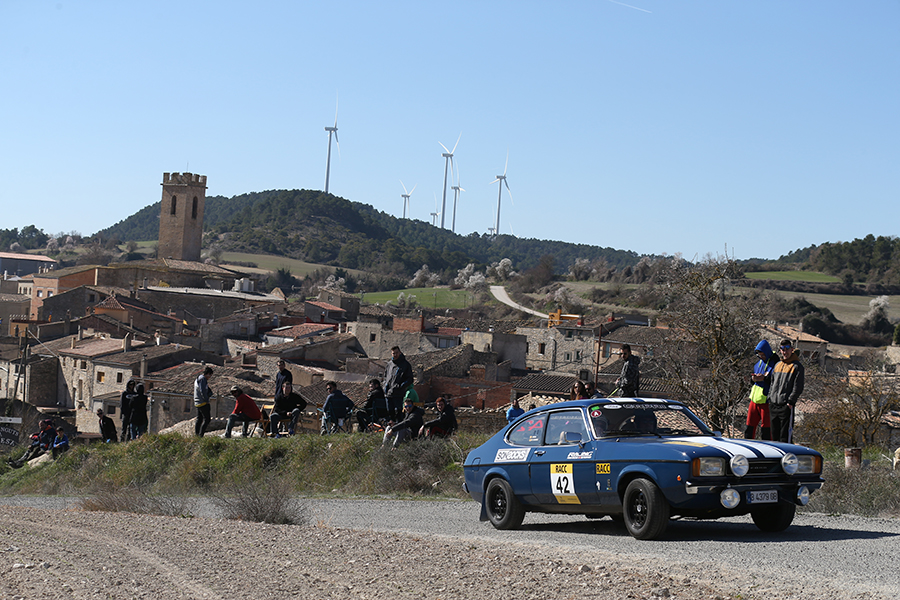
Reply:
x=869, y=259
x=317, y=227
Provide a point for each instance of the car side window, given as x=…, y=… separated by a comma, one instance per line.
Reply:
x=528, y=432
x=563, y=422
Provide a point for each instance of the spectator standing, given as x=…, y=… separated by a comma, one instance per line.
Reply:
x=375, y=409
x=125, y=409
x=787, y=384
x=107, y=428
x=398, y=376
x=139, y=420
x=406, y=429
x=760, y=381
x=629, y=381
x=445, y=423
x=245, y=410
x=283, y=376
x=287, y=404
x=578, y=392
x=60, y=443
x=514, y=412
x=202, y=394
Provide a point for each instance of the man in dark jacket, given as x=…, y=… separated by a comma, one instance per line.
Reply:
x=787, y=385
x=107, y=427
x=376, y=407
x=629, y=381
x=444, y=424
x=336, y=409
x=41, y=442
x=283, y=376
x=287, y=404
x=139, y=419
x=398, y=376
x=125, y=409
x=408, y=428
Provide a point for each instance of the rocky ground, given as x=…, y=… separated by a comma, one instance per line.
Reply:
x=62, y=554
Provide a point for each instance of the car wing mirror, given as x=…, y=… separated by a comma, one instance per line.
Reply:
x=573, y=437
x=717, y=434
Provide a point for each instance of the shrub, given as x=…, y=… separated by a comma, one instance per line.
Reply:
x=267, y=499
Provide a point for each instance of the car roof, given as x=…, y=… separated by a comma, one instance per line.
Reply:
x=602, y=401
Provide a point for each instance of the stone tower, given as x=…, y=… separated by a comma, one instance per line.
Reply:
x=181, y=216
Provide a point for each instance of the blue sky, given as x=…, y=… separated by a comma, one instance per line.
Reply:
x=655, y=126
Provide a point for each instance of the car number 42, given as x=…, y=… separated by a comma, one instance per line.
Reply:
x=762, y=497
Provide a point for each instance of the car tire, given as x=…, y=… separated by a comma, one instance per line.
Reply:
x=645, y=510
x=774, y=517
x=503, y=508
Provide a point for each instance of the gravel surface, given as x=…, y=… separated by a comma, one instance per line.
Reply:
x=425, y=549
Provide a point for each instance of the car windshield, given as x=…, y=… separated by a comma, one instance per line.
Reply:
x=642, y=419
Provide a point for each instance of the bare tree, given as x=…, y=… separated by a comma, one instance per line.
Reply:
x=713, y=332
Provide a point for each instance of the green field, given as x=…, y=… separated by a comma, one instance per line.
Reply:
x=436, y=297
x=807, y=276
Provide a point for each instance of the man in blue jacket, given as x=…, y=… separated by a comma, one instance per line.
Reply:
x=758, y=412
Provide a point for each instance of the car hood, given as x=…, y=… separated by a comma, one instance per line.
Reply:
x=732, y=447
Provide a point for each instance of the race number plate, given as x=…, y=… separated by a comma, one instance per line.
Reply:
x=762, y=497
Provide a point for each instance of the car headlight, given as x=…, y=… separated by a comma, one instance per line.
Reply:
x=789, y=463
x=729, y=498
x=708, y=466
x=809, y=464
x=739, y=465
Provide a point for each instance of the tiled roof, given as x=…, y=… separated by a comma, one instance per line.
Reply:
x=546, y=383
x=133, y=357
x=483, y=325
x=316, y=394
x=97, y=347
x=180, y=380
x=374, y=310
x=303, y=330
x=325, y=306
x=15, y=298
x=786, y=331
x=26, y=256
x=63, y=272
x=643, y=336
x=278, y=348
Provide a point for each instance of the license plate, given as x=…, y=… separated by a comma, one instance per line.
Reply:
x=762, y=497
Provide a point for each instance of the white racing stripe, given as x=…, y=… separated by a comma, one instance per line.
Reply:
x=748, y=448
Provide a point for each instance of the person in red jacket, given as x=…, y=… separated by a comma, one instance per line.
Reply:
x=245, y=410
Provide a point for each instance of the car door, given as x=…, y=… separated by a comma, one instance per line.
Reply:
x=524, y=437
x=563, y=471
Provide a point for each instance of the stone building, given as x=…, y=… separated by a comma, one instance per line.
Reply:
x=567, y=347
x=181, y=216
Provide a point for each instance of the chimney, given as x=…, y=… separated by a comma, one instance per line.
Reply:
x=73, y=339
x=126, y=342
x=143, y=366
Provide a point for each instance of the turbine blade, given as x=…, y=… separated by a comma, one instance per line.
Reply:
x=507, y=163
x=457, y=142
x=445, y=148
x=509, y=192
x=412, y=190
x=338, y=142
x=460, y=189
x=404, y=188
x=336, y=98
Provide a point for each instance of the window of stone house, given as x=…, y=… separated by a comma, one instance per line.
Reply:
x=578, y=355
x=583, y=375
x=110, y=410
x=187, y=405
x=568, y=356
x=84, y=364
x=91, y=297
x=569, y=334
x=174, y=205
x=101, y=376
x=49, y=293
x=541, y=348
x=40, y=293
x=372, y=337
x=118, y=378
x=194, y=208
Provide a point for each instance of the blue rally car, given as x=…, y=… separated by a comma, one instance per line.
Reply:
x=640, y=461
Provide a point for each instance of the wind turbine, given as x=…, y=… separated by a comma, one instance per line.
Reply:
x=456, y=190
x=331, y=130
x=502, y=180
x=406, y=197
x=448, y=161
x=435, y=214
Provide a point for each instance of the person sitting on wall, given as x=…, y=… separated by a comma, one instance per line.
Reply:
x=376, y=410
x=287, y=404
x=245, y=410
x=60, y=443
x=514, y=412
x=41, y=441
x=406, y=429
x=337, y=408
x=445, y=423
x=107, y=427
